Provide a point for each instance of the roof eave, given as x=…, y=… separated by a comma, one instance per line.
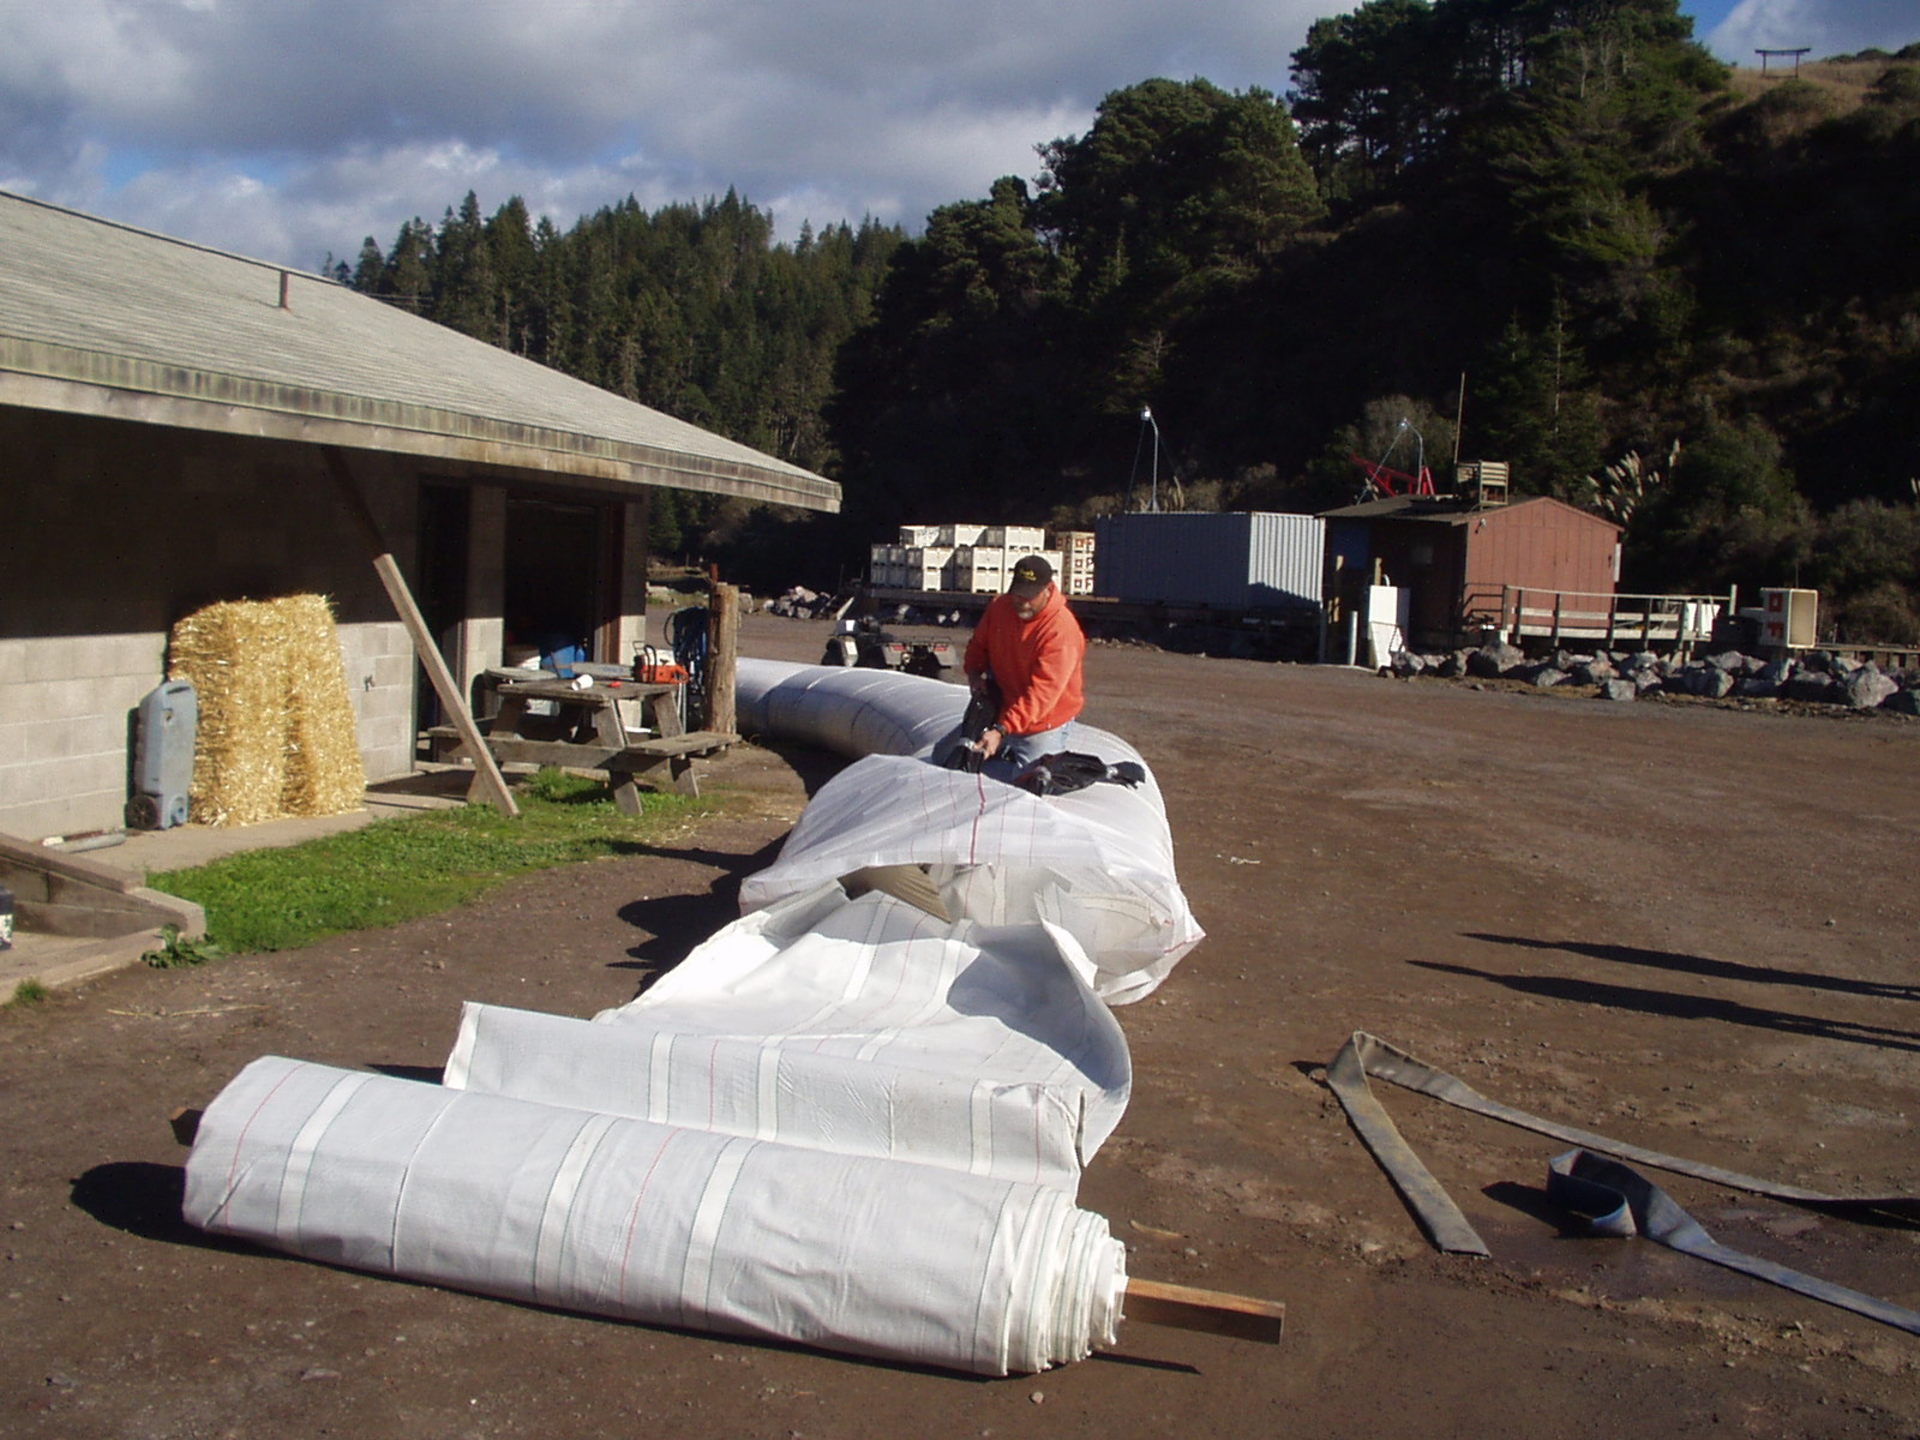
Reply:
x=41, y=376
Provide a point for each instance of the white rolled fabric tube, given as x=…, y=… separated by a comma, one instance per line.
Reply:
x=647, y=1222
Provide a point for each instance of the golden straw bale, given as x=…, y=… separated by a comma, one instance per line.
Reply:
x=276, y=733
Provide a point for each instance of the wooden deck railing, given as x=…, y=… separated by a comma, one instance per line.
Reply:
x=1611, y=619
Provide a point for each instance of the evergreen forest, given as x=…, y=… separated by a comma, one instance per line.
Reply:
x=1556, y=233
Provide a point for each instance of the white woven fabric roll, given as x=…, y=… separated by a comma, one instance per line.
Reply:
x=654, y=1223
x=861, y=1026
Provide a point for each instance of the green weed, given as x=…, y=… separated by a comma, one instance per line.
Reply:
x=177, y=952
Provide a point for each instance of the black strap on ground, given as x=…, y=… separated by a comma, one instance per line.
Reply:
x=1367, y=1055
x=1619, y=1200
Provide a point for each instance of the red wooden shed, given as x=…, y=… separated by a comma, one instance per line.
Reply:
x=1456, y=559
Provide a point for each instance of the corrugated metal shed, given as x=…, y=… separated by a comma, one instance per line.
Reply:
x=1238, y=560
x=101, y=319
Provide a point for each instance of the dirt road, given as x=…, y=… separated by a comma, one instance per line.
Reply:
x=1692, y=928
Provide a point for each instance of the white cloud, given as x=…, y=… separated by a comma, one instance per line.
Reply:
x=289, y=127
x=1826, y=27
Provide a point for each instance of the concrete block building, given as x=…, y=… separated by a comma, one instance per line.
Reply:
x=174, y=425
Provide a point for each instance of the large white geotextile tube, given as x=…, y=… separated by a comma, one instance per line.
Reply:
x=648, y=1222
x=1097, y=862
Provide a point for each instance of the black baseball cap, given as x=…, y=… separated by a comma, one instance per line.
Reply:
x=1031, y=575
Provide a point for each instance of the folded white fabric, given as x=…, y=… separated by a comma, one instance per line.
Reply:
x=1097, y=863
x=864, y=1026
x=655, y=1223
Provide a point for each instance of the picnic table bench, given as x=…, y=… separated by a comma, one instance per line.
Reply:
x=592, y=734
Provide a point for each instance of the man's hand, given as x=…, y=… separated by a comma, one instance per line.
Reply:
x=991, y=739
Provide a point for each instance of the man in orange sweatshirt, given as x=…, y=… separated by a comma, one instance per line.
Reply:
x=1032, y=649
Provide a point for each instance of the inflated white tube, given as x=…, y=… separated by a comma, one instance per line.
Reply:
x=1097, y=862
x=856, y=713
x=862, y=1026
x=849, y=712
x=653, y=1223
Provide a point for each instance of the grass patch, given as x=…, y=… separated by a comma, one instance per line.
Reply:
x=28, y=992
x=396, y=870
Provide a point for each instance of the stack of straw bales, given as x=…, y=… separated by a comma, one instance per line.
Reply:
x=277, y=735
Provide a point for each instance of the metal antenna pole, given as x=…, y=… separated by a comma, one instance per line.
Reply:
x=1153, y=501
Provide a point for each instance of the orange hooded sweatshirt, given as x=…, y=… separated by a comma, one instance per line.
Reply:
x=1036, y=663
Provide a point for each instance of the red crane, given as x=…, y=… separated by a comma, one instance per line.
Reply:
x=1382, y=480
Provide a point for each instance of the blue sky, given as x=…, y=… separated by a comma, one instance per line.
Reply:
x=289, y=128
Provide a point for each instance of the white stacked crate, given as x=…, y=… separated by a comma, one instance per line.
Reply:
x=1053, y=558
x=1076, y=567
x=1021, y=539
x=980, y=569
x=912, y=535
x=887, y=566
x=926, y=567
x=959, y=535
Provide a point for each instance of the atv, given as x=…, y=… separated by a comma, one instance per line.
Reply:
x=864, y=644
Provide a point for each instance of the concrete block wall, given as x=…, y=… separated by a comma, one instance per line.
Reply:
x=116, y=530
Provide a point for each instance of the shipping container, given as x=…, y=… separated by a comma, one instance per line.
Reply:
x=1240, y=560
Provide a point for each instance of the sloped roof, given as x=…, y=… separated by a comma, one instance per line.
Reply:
x=102, y=319
x=1450, y=509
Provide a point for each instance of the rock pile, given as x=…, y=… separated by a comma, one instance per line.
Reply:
x=1818, y=676
x=800, y=603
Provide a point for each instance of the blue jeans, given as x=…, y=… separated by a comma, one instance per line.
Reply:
x=1019, y=751
x=1016, y=751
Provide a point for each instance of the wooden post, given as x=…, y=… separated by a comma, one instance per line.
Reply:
x=723, y=651
x=488, y=782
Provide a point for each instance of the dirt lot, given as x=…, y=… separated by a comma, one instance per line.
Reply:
x=1694, y=928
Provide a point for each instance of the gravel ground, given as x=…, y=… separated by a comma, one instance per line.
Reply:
x=1684, y=926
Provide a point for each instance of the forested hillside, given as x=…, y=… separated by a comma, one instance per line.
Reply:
x=692, y=309
x=1689, y=304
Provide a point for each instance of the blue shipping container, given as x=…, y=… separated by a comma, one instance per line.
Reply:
x=1239, y=560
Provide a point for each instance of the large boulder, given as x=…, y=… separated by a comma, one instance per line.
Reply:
x=1868, y=688
x=1490, y=662
x=1903, y=702
x=1594, y=671
x=1643, y=662
x=1812, y=685
x=1699, y=678
x=1618, y=690
x=1544, y=675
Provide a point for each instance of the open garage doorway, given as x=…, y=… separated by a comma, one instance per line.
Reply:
x=560, y=586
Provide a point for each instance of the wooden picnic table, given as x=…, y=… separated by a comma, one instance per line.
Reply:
x=594, y=735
